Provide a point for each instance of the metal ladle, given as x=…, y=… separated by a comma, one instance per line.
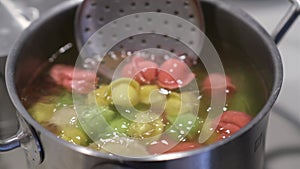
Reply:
x=132, y=25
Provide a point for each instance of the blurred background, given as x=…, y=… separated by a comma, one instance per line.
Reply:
x=283, y=138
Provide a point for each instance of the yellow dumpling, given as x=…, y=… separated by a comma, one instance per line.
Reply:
x=100, y=95
x=149, y=94
x=125, y=92
x=146, y=126
x=178, y=103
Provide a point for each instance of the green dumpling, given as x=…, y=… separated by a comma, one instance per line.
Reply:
x=184, y=126
x=94, y=120
x=65, y=99
x=120, y=125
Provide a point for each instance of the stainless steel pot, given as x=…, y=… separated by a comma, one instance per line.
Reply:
x=225, y=24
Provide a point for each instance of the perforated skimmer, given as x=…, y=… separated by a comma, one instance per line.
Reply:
x=131, y=25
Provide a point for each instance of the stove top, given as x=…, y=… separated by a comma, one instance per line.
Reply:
x=283, y=136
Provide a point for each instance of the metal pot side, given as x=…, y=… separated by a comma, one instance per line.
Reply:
x=223, y=22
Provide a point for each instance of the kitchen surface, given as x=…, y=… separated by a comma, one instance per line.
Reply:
x=283, y=138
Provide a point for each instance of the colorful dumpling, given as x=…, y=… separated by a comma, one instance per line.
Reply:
x=143, y=71
x=173, y=74
x=179, y=103
x=151, y=95
x=74, y=79
x=125, y=92
x=231, y=122
x=184, y=126
x=146, y=126
x=219, y=83
x=100, y=96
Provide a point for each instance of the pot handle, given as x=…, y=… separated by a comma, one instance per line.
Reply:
x=287, y=21
x=27, y=139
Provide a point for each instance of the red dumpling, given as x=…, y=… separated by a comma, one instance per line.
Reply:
x=173, y=74
x=221, y=83
x=82, y=81
x=166, y=145
x=231, y=122
x=143, y=71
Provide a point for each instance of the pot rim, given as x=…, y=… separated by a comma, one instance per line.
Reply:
x=238, y=13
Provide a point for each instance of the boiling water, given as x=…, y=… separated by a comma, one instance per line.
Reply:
x=249, y=97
